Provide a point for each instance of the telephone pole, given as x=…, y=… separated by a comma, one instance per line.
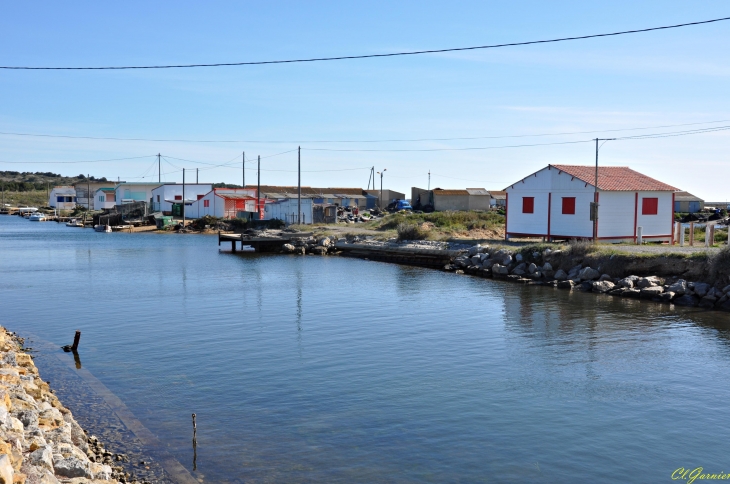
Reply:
x=243, y=168
x=594, y=205
x=183, y=199
x=159, y=169
x=258, y=188
x=299, y=185
x=429, y=180
x=196, y=176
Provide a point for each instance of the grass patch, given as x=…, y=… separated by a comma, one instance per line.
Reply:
x=443, y=222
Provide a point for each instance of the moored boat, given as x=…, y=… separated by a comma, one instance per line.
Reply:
x=37, y=217
x=102, y=228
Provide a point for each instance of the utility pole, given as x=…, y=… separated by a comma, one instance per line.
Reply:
x=88, y=192
x=380, y=200
x=299, y=185
x=159, y=169
x=183, y=199
x=243, y=168
x=196, y=176
x=258, y=188
x=594, y=205
x=429, y=180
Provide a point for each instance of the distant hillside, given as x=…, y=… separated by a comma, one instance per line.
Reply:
x=26, y=181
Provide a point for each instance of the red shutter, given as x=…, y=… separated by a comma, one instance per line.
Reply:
x=178, y=197
x=200, y=196
x=528, y=204
x=568, y=205
x=649, y=206
x=206, y=203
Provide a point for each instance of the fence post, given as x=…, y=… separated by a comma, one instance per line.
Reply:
x=707, y=235
x=691, y=234
x=639, y=235
x=681, y=235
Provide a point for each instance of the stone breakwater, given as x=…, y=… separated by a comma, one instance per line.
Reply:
x=558, y=269
x=40, y=442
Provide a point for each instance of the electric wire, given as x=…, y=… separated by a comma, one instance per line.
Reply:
x=43, y=135
x=371, y=56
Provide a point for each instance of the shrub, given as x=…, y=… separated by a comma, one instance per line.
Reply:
x=408, y=231
x=581, y=247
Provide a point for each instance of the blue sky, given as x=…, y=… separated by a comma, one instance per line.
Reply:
x=643, y=80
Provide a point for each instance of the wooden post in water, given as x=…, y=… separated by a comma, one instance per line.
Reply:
x=77, y=337
x=195, y=444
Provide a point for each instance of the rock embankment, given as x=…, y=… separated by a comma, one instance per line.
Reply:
x=311, y=245
x=556, y=268
x=40, y=442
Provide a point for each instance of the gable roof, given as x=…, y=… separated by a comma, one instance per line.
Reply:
x=440, y=191
x=686, y=197
x=615, y=178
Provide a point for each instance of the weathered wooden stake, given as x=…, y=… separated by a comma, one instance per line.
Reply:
x=77, y=337
x=691, y=234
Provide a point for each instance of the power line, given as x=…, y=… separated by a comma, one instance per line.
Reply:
x=82, y=161
x=369, y=56
x=42, y=135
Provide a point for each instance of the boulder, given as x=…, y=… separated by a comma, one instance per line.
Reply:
x=700, y=288
x=678, y=288
x=505, y=260
x=686, y=300
x=519, y=272
x=324, y=242
x=6, y=469
x=574, y=271
x=42, y=457
x=319, y=250
x=101, y=472
x=476, y=259
x=518, y=257
x=667, y=296
x=626, y=282
x=585, y=286
x=617, y=291
x=565, y=284
x=726, y=289
x=484, y=256
x=602, y=286
x=589, y=274
x=500, y=269
x=522, y=266
x=560, y=275
x=288, y=248
x=532, y=268
x=633, y=293
x=547, y=266
x=477, y=249
x=650, y=281
x=72, y=467
x=650, y=292
x=605, y=277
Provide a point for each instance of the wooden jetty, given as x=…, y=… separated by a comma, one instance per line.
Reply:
x=261, y=244
x=416, y=256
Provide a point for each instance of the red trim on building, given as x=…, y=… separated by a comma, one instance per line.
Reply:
x=554, y=236
x=506, y=212
x=672, y=224
x=550, y=201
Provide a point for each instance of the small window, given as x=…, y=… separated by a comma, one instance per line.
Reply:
x=206, y=203
x=528, y=204
x=568, y=205
x=158, y=199
x=649, y=206
x=178, y=197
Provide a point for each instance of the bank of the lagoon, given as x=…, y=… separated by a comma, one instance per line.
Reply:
x=40, y=441
x=334, y=369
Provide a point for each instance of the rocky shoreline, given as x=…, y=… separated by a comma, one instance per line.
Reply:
x=40, y=441
x=558, y=268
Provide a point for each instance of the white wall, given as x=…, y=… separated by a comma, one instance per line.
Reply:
x=108, y=201
x=286, y=210
x=529, y=223
x=661, y=223
x=62, y=192
x=169, y=192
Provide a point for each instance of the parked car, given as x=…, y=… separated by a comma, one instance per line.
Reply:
x=398, y=205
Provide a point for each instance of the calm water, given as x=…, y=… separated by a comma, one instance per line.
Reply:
x=309, y=369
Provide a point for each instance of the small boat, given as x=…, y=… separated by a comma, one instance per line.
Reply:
x=37, y=217
x=74, y=222
x=102, y=228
